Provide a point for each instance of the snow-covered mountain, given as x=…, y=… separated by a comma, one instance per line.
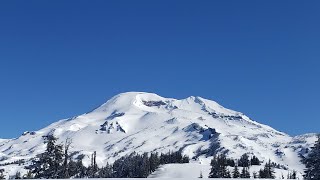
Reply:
x=145, y=122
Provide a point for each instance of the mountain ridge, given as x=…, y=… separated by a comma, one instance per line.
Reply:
x=146, y=122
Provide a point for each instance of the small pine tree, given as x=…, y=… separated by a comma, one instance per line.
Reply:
x=267, y=172
x=292, y=175
x=254, y=175
x=28, y=175
x=245, y=173
x=214, y=173
x=17, y=175
x=262, y=174
x=235, y=172
x=312, y=162
x=201, y=175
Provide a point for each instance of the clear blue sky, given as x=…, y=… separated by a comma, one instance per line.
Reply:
x=63, y=58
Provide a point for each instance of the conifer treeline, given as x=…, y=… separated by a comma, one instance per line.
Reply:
x=220, y=164
x=56, y=163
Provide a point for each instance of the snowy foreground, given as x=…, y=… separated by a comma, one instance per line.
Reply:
x=193, y=170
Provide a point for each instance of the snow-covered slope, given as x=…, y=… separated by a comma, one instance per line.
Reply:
x=194, y=169
x=145, y=122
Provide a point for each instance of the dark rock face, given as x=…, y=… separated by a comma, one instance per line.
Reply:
x=206, y=132
x=109, y=128
x=154, y=103
x=115, y=114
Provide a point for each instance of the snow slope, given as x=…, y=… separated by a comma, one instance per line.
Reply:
x=194, y=169
x=145, y=122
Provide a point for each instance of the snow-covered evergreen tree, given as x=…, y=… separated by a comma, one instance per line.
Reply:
x=48, y=164
x=312, y=162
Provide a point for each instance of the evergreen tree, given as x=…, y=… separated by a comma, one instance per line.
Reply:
x=292, y=175
x=262, y=174
x=71, y=168
x=244, y=161
x=106, y=172
x=219, y=167
x=214, y=173
x=81, y=170
x=48, y=164
x=93, y=168
x=185, y=159
x=255, y=161
x=245, y=173
x=267, y=172
x=173, y=157
x=230, y=162
x=312, y=162
x=17, y=175
x=154, y=162
x=28, y=175
x=235, y=172
x=56, y=163
x=66, y=171
x=145, y=171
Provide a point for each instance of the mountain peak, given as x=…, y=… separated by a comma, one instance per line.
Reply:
x=144, y=100
x=147, y=122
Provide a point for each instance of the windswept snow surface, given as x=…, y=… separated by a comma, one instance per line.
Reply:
x=146, y=122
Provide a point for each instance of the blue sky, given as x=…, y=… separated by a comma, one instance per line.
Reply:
x=63, y=58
